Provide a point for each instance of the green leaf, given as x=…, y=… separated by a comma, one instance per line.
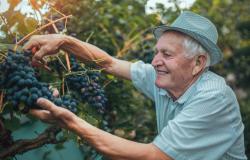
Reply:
x=13, y=123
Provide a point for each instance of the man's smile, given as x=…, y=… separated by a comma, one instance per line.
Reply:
x=161, y=72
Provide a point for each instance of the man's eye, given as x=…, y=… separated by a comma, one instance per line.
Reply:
x=166, y=54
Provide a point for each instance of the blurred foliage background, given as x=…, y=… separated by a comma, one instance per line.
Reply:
x=123, y=29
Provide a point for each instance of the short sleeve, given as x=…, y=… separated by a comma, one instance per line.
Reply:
x=143, y=78
x=202, y=130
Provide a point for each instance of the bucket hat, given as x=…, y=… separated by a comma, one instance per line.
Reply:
x=197, y=27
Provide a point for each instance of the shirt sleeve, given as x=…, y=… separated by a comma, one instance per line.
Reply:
x=202, y=130
x=143, y=78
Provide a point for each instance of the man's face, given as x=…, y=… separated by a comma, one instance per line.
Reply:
x=174, y=70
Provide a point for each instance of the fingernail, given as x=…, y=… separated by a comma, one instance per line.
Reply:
x=40, y=100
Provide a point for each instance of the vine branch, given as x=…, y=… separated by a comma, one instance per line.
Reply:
x=23, y=145
x=40, y=28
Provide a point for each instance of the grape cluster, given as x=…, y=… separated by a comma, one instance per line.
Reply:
x=22, y=87
x=87, y=85
x=68, y=102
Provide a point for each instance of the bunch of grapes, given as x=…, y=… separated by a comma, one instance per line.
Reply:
x=86, y=85
x=22, y=87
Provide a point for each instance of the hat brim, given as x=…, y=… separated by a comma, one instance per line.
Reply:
x=213, y=50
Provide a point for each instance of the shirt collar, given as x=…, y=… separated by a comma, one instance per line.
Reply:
x=163, y=92
x=183, y=98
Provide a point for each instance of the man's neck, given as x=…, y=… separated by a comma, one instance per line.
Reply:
x=175, y=94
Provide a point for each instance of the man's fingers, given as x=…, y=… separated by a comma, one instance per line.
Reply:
x=36, y=63
x=43, y=115
x=37, y=59
x=39, y=54
x=46, y=104
x=31, y=44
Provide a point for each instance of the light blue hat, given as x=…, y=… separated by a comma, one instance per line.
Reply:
x=199, y=28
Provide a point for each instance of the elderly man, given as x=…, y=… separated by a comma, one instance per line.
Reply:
x=198, y=114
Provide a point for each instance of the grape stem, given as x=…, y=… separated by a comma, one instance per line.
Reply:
x=66, y=54
x=60, y=61
x=78, y=73
x=1, y=101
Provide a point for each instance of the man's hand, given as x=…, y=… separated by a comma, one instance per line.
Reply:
x=44, y=45
x=54, y=114
x=51, y=43
x=112, y=146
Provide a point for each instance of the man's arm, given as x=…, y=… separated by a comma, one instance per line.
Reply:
x=50, y=44
x=115, y=147
x=110, y=145
x=88, y=52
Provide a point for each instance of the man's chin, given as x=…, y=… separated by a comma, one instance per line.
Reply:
x=160, y=84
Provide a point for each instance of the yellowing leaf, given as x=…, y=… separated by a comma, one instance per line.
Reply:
x=14, y=2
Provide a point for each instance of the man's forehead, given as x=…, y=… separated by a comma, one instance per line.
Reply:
x=169, y=39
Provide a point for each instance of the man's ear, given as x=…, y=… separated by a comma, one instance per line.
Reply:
x=200, y=63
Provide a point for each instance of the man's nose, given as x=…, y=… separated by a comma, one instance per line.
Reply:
x=156, y=61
